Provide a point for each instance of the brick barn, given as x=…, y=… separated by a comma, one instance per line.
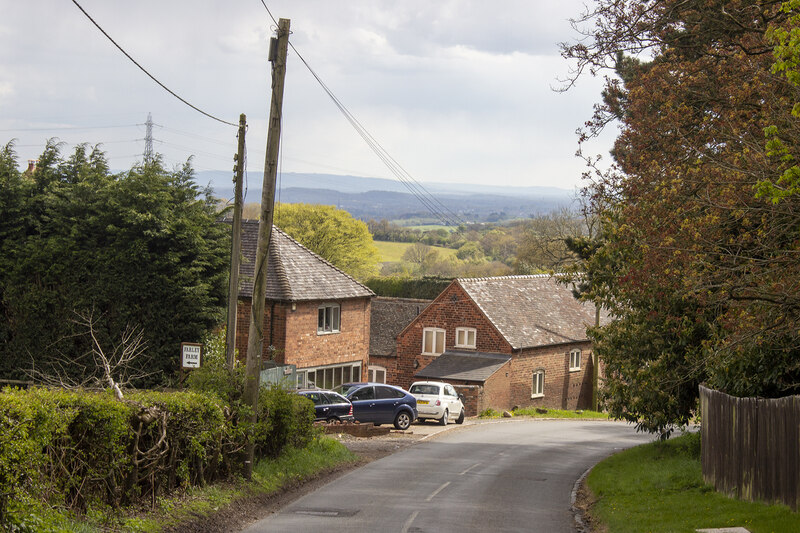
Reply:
x=502, y=342
x=316, y=316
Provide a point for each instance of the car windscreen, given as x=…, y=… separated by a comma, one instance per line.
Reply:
x=344, y=388
x=424, y=389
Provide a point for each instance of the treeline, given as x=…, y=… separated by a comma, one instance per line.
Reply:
x=94, y=261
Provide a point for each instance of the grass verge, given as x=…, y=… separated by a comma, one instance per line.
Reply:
x=269, y=476
x=658, y=487
x=532, y=412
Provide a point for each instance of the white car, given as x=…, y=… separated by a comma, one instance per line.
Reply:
x=437, y=401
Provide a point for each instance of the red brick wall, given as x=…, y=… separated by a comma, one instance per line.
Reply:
x=277, y=333
x=294, y=333
x=563, y=389
x=450, y=310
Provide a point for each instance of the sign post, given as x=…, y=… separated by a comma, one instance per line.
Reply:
x=191, y=353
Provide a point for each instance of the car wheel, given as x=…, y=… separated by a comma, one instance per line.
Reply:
x=402, y=420
x=443, y=420
x=460, y=419
x=332, y=420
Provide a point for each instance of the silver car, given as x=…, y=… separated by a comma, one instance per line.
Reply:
x=437, y=401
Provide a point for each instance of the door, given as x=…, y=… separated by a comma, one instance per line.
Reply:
x=364, y=404
x=452, y=400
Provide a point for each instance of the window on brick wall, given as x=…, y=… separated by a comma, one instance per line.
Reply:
x=465, y=337
x=328, y=377
x=328, y=319
x=574, y=360
x=537, y=384
x=376, y=374
x=432, y=341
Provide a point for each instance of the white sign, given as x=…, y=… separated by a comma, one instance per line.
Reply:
x=190, y=355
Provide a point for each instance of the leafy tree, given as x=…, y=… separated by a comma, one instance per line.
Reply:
x=470, y=251
x=417, y=253
x=333, y=234
x=138, y=249
x=697, y=255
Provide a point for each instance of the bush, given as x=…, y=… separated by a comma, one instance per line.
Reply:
x=288, y=421
x=63, y=447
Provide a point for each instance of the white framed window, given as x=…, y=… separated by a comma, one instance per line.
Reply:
x=328, y=319
x=537, y=384
x=328, y=377
x=465, y=337
x=432, y=341
x=574, y=360
x=376, y=374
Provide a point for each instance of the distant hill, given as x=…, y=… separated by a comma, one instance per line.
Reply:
x=377, y=198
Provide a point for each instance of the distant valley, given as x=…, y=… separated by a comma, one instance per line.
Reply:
x=377, y=198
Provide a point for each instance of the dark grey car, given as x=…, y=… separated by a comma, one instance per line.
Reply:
x=329, y=405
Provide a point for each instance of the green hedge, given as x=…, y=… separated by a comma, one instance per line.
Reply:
x=426, y=288
x=75, y=449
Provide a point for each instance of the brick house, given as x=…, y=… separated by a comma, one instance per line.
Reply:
x=503, y=342
x=388, y=318
x=316, y=316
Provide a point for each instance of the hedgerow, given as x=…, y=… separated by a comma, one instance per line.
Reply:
x=73, y=450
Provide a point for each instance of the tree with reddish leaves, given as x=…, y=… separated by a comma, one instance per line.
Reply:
x=699, y=254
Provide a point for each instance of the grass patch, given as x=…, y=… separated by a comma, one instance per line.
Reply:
x=658, y=487
x=392, y=252
x=531, y=412
x=269, y=475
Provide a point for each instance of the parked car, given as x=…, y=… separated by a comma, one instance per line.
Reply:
x=437, y=401
x=381, y=404
x=329, y=405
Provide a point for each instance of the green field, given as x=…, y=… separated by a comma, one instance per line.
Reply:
x=432, y=227
x=392, y=252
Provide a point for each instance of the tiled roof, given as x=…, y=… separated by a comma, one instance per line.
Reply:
x=389, y=316
x=294, y=273
x=531, y=310
x=467, y=366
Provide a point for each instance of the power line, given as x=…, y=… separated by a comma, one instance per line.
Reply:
x=146, y=72
x=436, y=207
x=60, y=128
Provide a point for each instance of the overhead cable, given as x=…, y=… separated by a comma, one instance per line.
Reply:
x=146, y=72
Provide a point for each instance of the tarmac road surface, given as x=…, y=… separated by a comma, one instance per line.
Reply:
x=508, y=476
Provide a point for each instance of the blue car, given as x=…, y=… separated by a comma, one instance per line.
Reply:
x=328, y=405
x=381, y=404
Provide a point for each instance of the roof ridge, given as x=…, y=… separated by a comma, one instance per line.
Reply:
x=520, y=276
x=320, y=258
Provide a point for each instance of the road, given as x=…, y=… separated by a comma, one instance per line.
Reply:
x=506, y=476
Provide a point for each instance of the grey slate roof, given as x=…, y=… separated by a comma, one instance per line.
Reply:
x=294, y=273
x=389, y=316
x=467, y=366
x=531, y=310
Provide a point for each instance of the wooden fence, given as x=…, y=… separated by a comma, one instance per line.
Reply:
x=751, y=446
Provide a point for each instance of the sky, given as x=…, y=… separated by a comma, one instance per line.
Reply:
x=456, y=91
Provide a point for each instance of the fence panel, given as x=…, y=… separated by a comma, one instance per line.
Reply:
x=751, y=446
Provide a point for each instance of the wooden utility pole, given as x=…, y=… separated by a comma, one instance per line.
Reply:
x=236, y=246
x=255, y=340
x=595, y=365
